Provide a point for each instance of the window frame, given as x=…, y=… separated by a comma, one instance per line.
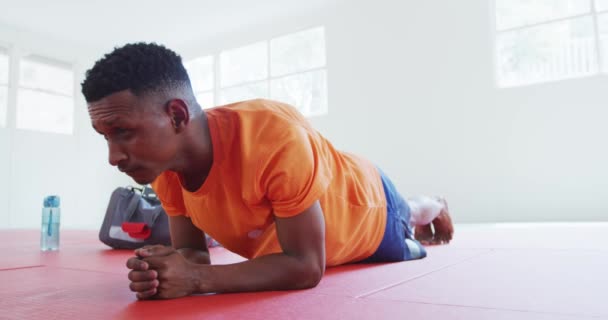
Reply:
x=19, y=87
x=593, y=13
x=216, y=57
x=6, y=52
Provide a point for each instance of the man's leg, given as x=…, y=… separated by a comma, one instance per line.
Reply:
x=427, y=212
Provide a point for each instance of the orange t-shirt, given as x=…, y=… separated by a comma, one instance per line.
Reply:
x=268, y=160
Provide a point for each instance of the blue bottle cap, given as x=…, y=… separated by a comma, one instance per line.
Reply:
x=51, y=202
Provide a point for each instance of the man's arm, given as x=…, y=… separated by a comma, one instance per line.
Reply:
x=189, y=240
x=301, y=264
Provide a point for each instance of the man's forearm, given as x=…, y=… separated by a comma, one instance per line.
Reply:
x=195, y=256
x=272, y=272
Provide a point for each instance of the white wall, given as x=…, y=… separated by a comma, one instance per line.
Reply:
x=417, y=76
x=35, y=164
x=411, y=87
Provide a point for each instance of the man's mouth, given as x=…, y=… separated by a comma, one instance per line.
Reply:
x=128, y=170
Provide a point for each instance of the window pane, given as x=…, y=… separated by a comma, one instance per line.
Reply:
x=550, y=52
x=246, y=92
x=205, y=99
x=44, y=112
x=39, y=75
x=602, y=21
x=306, y=91
x=245, y=64
x=297, y=52
x=3, y=68
x=3, y=105
x=601, y=5
x=200, y=71
x=515, y=13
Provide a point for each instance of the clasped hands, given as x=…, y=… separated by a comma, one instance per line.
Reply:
x=159, y=272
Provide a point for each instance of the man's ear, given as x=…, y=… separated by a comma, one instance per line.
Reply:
x=179, y=114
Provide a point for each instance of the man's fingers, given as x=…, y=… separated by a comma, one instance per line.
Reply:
x=137, y=264
x=145, y=248
x=143, y=286
x=156, y=262
x=157, y=250
x=149, y=294
x=148, y=275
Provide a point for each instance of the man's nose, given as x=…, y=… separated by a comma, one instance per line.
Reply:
x=116, y=154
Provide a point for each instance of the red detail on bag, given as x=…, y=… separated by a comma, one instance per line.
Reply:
x=137, y=230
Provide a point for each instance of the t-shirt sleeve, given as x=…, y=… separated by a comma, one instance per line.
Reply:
x=294, y=173
x=169, y=192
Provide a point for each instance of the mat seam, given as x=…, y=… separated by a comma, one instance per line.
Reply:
x=19, y=268
x=492, y=308
x=366, y=294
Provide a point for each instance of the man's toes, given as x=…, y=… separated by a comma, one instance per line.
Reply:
x=444, y=230
x=423, y=233
x=443, y=226
x=442, y=239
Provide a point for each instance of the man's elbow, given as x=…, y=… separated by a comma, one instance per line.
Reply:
x=311, y=276
x=316, y=277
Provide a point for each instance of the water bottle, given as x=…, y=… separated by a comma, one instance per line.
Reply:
x=51, y=215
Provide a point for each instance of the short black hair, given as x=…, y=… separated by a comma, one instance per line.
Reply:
x=139, y=67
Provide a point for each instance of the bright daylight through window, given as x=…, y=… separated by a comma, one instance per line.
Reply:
x=45, y=99
x=548, y=40
x=4, y=66
x=290, y=68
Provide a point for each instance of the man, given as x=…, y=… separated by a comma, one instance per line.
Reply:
x=254, y=175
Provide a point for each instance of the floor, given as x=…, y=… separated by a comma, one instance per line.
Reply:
x=503, y=271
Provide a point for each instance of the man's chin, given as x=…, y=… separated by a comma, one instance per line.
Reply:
x=142, y=178
x=143, y=181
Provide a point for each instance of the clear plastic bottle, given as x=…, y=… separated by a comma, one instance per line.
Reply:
x=51, y=216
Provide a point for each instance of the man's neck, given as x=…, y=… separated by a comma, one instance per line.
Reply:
x=197, y=154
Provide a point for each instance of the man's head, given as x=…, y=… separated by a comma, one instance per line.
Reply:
x=140, y=99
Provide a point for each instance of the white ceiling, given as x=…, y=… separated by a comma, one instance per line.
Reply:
x=107, y=23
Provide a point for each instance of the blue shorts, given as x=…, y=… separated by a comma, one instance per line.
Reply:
x=398, y=243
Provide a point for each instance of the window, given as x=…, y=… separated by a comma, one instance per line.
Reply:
x=244, y=73
x=4, y=66
x=290, y=68
x=298, y=67
x=200, y=71
x=45, y=99
x=548, y=40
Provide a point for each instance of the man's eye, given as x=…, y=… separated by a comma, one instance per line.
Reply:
x=121, y=131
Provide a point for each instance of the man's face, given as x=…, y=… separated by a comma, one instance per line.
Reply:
x=139, y=132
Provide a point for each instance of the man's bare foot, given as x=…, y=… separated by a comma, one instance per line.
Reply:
x=442, y=225
x=439, y=231
x=424, y=234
